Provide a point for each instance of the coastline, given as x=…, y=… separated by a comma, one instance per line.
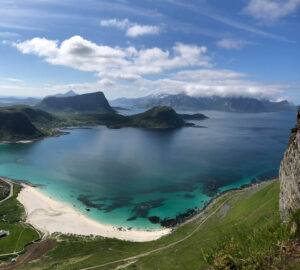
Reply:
x=51, y=216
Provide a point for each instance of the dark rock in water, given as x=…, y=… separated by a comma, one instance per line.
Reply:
x=87, y=202
x=132, y=218
x=253, y=181
x=169, y=222
x=142, y=209
x=172, y=222
x=118, y=203
x=210, y=188
x=245, y=186
x=88, y=209
x=189, y=196
x=154, y=219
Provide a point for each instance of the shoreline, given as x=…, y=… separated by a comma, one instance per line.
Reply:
x=52, y=216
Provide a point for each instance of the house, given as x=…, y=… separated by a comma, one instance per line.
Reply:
x=3, y=234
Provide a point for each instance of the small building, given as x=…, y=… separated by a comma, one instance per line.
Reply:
x=3, y=234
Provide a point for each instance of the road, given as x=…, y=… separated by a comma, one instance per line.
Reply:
x=11, y=193
x=163, y=247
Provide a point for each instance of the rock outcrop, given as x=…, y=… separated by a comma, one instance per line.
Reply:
x=289, y=174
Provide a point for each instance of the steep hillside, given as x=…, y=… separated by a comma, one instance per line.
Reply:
x=15, y=125
x=185, y=102
x=93, y=102
x=158, y=117
x=289, y=174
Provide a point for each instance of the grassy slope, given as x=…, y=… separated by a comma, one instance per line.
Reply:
x=249, y=228
x=11, y=213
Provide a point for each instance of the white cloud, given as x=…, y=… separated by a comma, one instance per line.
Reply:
x=14, y=80
x=270, y=10
x=122, y=24
x=82, y=54
x=140, y=30
x=207, y=74
x=228, y=43
x=39, y=46
x=193, y=72
x=132, y=29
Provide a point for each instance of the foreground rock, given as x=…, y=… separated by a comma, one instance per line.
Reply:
x=289, y=174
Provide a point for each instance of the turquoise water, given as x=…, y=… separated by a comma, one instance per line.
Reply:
x=134, y=173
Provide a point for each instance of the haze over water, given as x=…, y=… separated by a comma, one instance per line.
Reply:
x=135, y=173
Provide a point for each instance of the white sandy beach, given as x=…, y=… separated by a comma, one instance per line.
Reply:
x=49, y=216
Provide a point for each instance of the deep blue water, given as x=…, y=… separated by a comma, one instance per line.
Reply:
x=136, y=173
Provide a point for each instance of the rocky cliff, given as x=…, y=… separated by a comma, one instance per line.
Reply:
x=289, y=174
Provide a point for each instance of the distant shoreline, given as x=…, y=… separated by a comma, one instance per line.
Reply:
x=52, y=216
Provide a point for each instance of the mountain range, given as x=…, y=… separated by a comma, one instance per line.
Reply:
x=185, y=102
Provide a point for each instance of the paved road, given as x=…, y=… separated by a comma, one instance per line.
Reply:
x=11, y=193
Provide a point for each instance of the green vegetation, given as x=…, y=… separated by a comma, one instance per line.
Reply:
x=157, y=117
x=11, y=219
x=244, y=232
x=15, y=125
x=4, y=190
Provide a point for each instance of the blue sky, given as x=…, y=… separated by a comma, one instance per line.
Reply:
x=135, y=48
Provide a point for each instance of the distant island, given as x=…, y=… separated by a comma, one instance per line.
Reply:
x=22, y=122
x=217, y=103
x=86, y=103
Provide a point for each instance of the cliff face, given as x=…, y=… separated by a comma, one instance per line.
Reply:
x=92, y=102
x=289, y=174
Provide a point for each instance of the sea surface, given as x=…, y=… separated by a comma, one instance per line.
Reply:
x=124, y=176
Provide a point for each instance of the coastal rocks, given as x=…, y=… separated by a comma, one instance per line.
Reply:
x=210, y=188
x=172, y=222
x=142, y=209
x=289, y=174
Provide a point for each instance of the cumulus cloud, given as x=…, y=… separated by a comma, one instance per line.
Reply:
x=140, y=30
x=132, y=29
x=82, y=54
x=228, y=43
x=270, y=10
x=182, y=68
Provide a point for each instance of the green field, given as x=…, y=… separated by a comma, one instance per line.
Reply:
x=11, y=216
x=243, y=232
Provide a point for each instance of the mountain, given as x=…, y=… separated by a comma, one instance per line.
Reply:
x=185, y=102
x=156, y=118
x=70, y=93
x=289, y=174
x=93, y=102
x=15, y=125
x=10, y=101
x=196, y=116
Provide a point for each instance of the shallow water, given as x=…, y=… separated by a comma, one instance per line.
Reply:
x=134, y=173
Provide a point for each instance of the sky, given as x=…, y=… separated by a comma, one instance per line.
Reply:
x=133, y=48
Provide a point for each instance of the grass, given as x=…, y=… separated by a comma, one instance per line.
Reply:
x=245, y=234
x=11, y=216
